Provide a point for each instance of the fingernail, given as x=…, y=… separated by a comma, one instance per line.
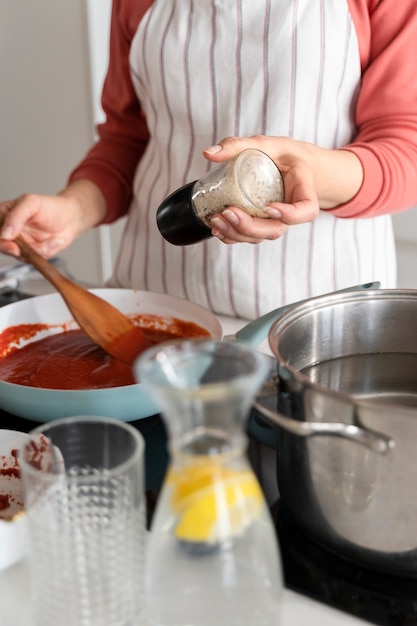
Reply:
x=214, y=149
x=218, y=223
x=217, y=233
x=7, y=232
x=274, y=213
x=232, y=217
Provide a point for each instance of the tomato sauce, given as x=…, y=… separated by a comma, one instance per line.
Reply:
x=9, y=495
x=70, y=360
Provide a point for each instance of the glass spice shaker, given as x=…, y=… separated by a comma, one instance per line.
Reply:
x=212, y=556
x=250, y=181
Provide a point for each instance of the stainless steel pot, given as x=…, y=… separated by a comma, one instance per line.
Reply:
x=347, y=366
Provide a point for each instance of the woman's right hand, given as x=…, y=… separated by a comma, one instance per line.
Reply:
x=51, y=223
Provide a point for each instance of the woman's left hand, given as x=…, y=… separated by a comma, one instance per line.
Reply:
x=305, y=171
x=301, y=205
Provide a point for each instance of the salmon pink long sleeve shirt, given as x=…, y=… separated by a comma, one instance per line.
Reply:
x=385, y=112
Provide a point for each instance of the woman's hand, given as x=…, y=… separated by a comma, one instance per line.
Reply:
x=50, y=223
x=314, y=179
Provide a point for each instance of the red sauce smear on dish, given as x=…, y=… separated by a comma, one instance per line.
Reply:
x=9, y=468
x=4, y=501
x=70, y=360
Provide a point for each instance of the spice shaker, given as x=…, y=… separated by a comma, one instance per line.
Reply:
x=250, y=181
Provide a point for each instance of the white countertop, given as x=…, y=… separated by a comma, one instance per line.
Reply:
x=15, y=600
x=297, y=610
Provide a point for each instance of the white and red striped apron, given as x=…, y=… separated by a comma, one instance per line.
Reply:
x=208, y=69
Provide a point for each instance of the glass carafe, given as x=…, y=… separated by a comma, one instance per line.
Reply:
x=213, y=557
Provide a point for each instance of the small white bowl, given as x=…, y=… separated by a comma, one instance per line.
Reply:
x=13, y=532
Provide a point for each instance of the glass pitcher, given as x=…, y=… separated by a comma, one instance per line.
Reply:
x=213, y=557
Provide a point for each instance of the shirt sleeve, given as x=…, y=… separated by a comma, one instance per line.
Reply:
x=385, y=113
x=386, y=110
x=122, y=138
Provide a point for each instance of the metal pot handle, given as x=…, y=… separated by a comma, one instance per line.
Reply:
x=257, y=331
x=371, y=439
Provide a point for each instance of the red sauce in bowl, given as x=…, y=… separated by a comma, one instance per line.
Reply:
x=70, y=360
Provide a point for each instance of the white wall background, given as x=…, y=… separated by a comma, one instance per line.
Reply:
x=405, y=225
x=53, y=55
x=98, y=19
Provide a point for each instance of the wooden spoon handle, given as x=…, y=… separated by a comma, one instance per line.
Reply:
x=101, y=321
x=88, y=310
x=48, y=270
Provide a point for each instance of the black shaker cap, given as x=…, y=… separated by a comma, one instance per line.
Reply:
x=177, y=221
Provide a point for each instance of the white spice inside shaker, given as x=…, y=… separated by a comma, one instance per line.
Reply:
x=250, y=181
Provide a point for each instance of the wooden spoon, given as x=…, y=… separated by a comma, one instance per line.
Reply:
x=101, y=321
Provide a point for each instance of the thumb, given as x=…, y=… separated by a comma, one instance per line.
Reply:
x=225, y=149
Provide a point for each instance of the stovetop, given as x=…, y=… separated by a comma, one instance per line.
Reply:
x=314, y=571
x=7, y=297
x=309, y=569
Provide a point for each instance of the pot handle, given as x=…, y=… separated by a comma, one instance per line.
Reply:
x=257, y=331
x=377, y=442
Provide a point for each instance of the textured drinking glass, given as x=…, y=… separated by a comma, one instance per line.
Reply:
x=84, y=496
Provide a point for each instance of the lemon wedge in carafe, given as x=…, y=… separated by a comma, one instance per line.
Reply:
x=212, y=502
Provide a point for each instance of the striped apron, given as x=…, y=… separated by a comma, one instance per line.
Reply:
x=208, y=69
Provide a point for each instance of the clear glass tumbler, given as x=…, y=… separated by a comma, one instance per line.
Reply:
x=83, y=483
